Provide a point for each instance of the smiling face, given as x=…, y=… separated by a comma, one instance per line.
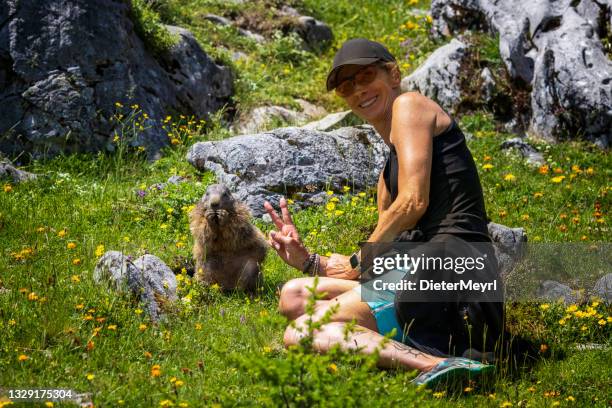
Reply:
x=372, y=101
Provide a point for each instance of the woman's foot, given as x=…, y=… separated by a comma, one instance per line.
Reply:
x=454, y=370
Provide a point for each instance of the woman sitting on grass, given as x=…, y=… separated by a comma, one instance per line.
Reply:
x=429, y=191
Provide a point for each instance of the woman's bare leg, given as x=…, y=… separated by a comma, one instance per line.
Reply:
x=294, y=294
x=364, y=336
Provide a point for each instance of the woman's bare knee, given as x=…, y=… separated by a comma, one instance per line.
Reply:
x=293, y=297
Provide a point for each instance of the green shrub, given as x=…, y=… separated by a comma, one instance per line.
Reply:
x=150, y=29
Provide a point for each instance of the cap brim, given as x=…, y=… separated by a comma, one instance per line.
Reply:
x=331, y=77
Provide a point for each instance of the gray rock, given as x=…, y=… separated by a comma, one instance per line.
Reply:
x=488, y=85
x=285, y=161
x=263, y=117
x=176, y=180
x=603, y=288
x=222, y=21
x=334, y=121
x=148, y=278
x=555, y=48
x=158, y=284
x=531, y=155
x=310, y=110
x=118, y=271
x=8, y=171
x=213, y=18
x=317, y=36
x=553, y=291
x=438, y=76
x=258, y=38
x=64, y=65
x=509, y=245
x=238, y=55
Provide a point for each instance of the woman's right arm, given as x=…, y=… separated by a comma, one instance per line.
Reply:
x=383, y=198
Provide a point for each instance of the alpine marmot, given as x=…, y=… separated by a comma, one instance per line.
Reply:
x=227, y=249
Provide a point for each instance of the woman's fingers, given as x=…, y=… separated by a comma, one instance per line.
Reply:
x=275, y=218
x=285, y=211
x=281, y=239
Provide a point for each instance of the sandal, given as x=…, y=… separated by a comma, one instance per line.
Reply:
x=452, y=370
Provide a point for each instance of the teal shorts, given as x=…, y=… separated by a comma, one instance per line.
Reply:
x=382, y=305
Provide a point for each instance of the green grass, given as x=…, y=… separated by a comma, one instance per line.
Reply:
x=227, y=349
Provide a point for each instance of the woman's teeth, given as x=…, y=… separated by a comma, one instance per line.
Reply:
x=368, y=102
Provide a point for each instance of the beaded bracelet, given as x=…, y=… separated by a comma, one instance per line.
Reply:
x=312, y=262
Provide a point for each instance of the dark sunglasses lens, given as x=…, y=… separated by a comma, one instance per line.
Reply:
x=366, y=76
x=345, y=88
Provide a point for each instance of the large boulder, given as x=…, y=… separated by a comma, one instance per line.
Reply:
x=64, y=64
x=555, y=49
x=285, y=161
x=147, y=278
x=438, y=77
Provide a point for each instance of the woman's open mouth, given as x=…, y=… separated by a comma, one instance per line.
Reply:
x=368, y=102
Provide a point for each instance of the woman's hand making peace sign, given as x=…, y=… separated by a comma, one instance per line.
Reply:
x=286, y=241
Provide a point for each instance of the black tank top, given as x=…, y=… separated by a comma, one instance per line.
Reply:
x=456, y=203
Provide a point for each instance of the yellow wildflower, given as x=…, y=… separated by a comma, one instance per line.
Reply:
x=487, y=166
x=557, y=179
x=22, y=357
x=99, y=250
x=509, y=177
x=71, y=245
x=75, y=279
x=330, y=206
x=8, y=188
x=90, y=376
x=62, y=233
x=142, y=327
x=76, y=261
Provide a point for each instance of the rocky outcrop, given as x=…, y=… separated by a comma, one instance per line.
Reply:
x=63, y=65
x=553, y=48
x=263, y=117
x=438, y=77
x=289, y=161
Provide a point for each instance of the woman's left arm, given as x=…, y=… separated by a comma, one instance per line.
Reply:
x=412, y=129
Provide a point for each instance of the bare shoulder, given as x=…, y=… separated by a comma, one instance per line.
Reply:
x=420, y=107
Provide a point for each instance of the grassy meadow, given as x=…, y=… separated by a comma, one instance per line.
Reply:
x=61, y=330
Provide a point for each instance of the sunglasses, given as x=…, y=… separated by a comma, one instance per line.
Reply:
x=362, y=77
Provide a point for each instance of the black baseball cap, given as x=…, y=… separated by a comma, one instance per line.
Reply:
x=357, y=51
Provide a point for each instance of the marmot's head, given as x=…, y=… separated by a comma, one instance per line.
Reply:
x=217, y=204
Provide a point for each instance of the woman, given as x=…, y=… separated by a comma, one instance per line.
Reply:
x=428, y=191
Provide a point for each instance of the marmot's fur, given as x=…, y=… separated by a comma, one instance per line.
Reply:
x=227, y=249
